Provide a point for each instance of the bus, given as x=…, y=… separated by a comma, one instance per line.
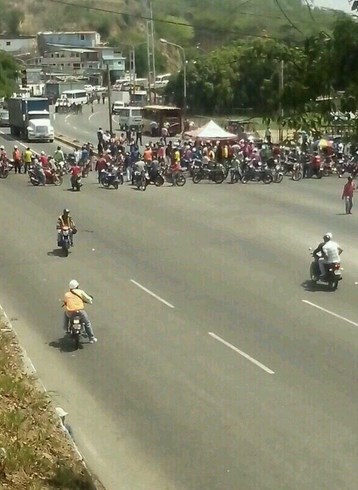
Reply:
x=129, y=117
x=75, y=96
x=157, y=116
x=161, y=81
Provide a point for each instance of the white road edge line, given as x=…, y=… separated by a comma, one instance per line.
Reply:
x=152, y=294
x=243, y=354
x=330, y=312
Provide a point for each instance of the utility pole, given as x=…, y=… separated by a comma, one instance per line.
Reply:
x=132, y=68
x=151, y=51
x=281, y=87
x=109, y=100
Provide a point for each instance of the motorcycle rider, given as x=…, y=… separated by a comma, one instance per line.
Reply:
x=76, y=171
x=39, y=172
x=74, y=301
x=327, y=252
x=65, y=219
x=59, y=156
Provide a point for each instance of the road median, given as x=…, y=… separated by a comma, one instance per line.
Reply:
x=36, y=450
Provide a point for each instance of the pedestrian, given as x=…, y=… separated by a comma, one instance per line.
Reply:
x=103, y=98
x=347, y=195
x=139, y=133
x=16, y=156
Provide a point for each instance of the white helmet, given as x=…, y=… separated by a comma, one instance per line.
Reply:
x=42, y=153
x=15, y=147
x=2, y=148
x=328, y=236
x=73, y=284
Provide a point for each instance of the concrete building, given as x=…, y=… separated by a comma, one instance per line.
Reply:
x=18, y=44
x=81, y=61
x=78, y=39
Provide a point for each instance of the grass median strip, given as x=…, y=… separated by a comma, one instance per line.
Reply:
x=35, y=453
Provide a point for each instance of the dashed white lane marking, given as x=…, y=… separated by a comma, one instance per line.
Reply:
x=243, y=354
x=68, y=115
x=330, y=313
x=152, y=294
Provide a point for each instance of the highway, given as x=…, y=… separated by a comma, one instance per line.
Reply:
x=217, y=366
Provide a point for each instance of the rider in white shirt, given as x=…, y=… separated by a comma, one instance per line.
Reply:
x=331, y=251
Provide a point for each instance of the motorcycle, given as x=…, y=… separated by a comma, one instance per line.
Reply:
x=260, y=174
x=76, y=182
x=277, y=174
x=215, y=174
x=4, y=169
x=177, y=179
x=109, y=179
x=52, y=177
x=333, y=273
x=143, y=179
x=76, y=329
x=65, y=240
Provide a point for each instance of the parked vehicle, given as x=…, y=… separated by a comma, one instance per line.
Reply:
x=215, y=174
x=259, y=174
x=4, y=118
x=52, y=177
x=29, y=118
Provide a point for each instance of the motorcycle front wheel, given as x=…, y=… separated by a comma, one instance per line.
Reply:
x=278, y=178
x=180, y=180
x=313, y=274
x=333, y=285
x=4, y=174
x=58, y=180
x=115, y=185
x=297, y=175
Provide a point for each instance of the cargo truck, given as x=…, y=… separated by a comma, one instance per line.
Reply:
x=29, y=119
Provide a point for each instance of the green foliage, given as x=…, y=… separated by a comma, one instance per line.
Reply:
x=8, y=74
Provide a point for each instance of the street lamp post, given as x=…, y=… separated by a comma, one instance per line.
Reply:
x=164, y=41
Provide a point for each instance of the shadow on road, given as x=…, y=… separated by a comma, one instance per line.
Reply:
x=64, y=344
x=56, y=252
x=314, y=287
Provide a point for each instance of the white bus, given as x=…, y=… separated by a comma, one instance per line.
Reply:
x=75, y=96
x=129, y=117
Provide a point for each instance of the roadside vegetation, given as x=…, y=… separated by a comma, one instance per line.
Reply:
x=35, y=454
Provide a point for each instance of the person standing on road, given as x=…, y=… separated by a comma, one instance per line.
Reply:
x=16, y=155
x=347, y=195
x=27, y=159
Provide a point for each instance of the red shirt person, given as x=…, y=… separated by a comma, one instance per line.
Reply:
x=347, y=194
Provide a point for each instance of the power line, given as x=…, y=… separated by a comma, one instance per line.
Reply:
x=164, y=21
x=287, y=17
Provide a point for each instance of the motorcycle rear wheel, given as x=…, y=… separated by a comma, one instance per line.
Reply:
x=219, y=178
x=76, y=339
x=268, y=179
x=159, y=181
x=4, y=174
x=115, y=185
x=196, y=179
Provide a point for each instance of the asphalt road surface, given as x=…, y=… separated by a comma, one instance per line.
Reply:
x=217, y=366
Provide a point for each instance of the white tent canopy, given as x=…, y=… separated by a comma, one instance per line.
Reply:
x=210, y=131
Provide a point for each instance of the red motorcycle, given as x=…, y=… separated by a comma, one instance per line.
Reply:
x=52, y=177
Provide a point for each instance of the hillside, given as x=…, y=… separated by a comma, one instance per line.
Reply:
x=211, y=23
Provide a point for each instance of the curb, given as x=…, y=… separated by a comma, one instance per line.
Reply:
x=31, y=371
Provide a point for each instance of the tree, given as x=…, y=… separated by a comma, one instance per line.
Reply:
x=8, y=74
